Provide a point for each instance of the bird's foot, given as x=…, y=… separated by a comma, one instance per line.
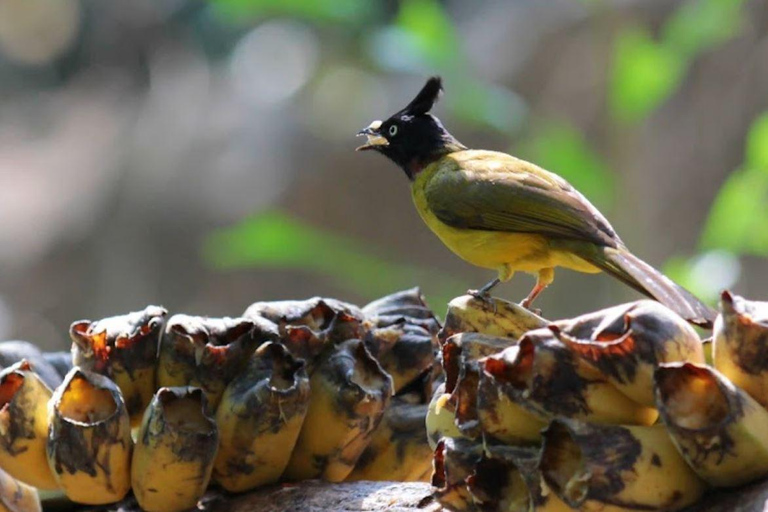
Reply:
x=483, y=296
x=526, y=303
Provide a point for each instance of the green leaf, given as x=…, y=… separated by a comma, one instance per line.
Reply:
x=275, y=240
x=643, y=75
x=736, y=220
x=757, y=144
x=560, y=148
x=339, y=11
x=430, y=31
x=701, y=24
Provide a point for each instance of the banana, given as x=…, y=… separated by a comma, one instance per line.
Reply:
x=492, y=316
x=483, y=406
x=740, y=340
x=12, y=352
x=401, y=333
x=506, y=479
x=307, y=327
x=349, y=394
x=206, y=352
x=626, y=343
x=259, y=419
x=470, y=346
x=398, y=450
x=24, y=426
x=16, y=496
x=124, y=348
x=542, y=375
x=441, y=417
x=454, y=461
x=500, y=419
x=411, y=355
x=174, y=454
x=717, y=427
x=611, y=468
x=89, y=441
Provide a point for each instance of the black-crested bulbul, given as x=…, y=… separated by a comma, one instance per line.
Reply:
x=502, y=213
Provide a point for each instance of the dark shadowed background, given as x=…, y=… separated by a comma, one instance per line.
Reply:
x=199, y=155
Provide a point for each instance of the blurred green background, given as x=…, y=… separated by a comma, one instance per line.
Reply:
x=199, y=155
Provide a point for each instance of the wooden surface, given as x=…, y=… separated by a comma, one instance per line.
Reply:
x=315, y=496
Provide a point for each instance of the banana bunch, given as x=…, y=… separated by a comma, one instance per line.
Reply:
x=621, y=409
x=555, y=416
x=287, y=391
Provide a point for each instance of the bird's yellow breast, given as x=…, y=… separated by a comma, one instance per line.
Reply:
x=503, y=251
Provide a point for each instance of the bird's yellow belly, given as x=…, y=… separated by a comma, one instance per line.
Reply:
x=503, y=251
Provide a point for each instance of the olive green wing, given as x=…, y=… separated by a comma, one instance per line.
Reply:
x=515, y=196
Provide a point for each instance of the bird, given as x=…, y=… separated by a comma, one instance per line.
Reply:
x=499, y=212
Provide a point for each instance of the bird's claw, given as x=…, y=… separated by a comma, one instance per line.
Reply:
x=484, y=297
x=525, y=303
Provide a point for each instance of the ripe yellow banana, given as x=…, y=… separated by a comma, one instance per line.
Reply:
x=175, y=450
x=543, y=376
x=24, y=426
x=89, y=442
x=626, y=343
x=494, y=316
x=259, y=419
x=16, y=496
x=206, y=353
x=398, y=450
x=506, y=479
x=124, y=348
x=612, y=468
x=717, y=427
x=740, y=339
x=441, y=417
x=455, y=460
x=349, y=393
x=307, y=327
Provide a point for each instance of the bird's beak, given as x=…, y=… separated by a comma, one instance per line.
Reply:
x=375, y=139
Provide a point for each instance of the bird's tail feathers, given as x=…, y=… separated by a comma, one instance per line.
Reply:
x=633, y=271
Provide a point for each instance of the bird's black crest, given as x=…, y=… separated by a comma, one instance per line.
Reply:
x=426, y=99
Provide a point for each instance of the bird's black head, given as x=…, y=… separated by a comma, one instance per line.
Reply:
x=412, y=138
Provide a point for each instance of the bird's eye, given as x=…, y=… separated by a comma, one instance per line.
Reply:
x=393, y=130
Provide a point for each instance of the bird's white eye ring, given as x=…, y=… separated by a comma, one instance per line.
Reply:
x=393, y=130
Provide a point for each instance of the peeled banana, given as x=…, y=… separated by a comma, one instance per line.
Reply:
x=739, y=348
x=611, y=468
x=124, y=348
x=89, y=441
x=349, y=394
x=401, y=333
x=24, y=426
x=175, y=450
x=259, y=419
x=16, y=496
x=307, y=327
x=626, y=343
x=398, y=450
x=507, y=479
x=543, y=376
x=441, y=417
x=493, y=316
x=719, y=428
x=455, y=460
x=206, y=352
